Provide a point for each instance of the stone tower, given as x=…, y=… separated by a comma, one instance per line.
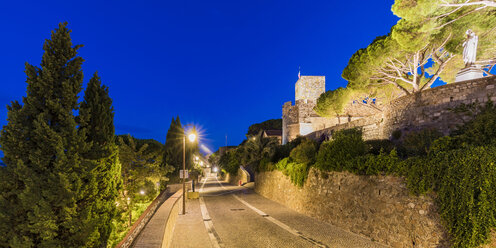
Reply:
x=300, y=119
x=309, y=88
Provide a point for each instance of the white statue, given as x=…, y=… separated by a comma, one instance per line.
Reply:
x=470, y=48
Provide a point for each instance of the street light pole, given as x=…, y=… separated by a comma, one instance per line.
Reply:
x=184, y=174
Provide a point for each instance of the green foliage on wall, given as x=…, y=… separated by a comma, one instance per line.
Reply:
x=418, y=143
x=459, y=168
x=344, y=147
x=272, y=124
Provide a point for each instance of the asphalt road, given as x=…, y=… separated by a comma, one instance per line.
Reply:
x=232, y=216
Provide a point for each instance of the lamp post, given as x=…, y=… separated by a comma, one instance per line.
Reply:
x=191, y=138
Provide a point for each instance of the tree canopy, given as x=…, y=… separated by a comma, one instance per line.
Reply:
x=423, y=47
x=272, y=124
x=331, y=103
x=58, y=188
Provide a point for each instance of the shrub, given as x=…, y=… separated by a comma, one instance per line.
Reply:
x=282, y=164
x=464, y=181
x=265, y=165
x=297, y=172
x=381, y=163
x=445, y=143
x=418, y=143
x=283, y=151
x=467, y=195
x=336, y=154
x=481, y=130
x=230, y=161
x=304, y=152
x=377, y=147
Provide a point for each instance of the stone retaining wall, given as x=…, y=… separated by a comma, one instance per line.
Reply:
x=242, y=176
x=431, y=108
x=379, y=207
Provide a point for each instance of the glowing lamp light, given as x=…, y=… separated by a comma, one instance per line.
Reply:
x=192, y=137
x=201, y=163
x=142, y=192
x=215, y=169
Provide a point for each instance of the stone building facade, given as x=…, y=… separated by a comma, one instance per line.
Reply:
x=300, y=119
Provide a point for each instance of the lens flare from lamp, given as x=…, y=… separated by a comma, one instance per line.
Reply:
x=192, y=137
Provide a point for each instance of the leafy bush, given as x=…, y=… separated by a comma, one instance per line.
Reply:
x=467, y=195
x=297, y=172
x=481, y=130
x=381, y=163
x=282, y=164
x=284, y=150
x=265, y=165
x=445, y=143
x=377, y=146
x=418, y=143
x=336, y=154
x=230, y=161
x=304, y=152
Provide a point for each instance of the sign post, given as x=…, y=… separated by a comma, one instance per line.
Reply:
x=183, y=174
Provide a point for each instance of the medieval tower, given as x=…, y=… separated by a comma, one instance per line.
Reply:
x=301, y=119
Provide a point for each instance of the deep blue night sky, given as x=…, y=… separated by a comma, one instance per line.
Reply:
x=223, y=65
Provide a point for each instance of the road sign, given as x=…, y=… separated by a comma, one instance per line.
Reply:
x=183, y=174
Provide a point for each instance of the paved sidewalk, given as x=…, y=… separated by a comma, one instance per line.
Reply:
x=190, y=232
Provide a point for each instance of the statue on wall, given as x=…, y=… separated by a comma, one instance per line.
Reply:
x=470, y=48
x=471, y=70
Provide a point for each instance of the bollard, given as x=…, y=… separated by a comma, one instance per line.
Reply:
x=193, y=185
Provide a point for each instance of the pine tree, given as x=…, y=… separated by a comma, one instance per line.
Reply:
x=103, y=176
x=41, y=188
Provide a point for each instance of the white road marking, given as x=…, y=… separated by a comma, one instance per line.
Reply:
x=212, y=234
x=275, y=221
x=203, y=184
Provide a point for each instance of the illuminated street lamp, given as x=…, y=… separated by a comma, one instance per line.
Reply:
x=191, y=138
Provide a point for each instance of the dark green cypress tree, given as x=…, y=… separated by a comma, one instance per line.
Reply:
x=41, y=186
x=103, y=177
x=174, y=145
x=173, y=154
